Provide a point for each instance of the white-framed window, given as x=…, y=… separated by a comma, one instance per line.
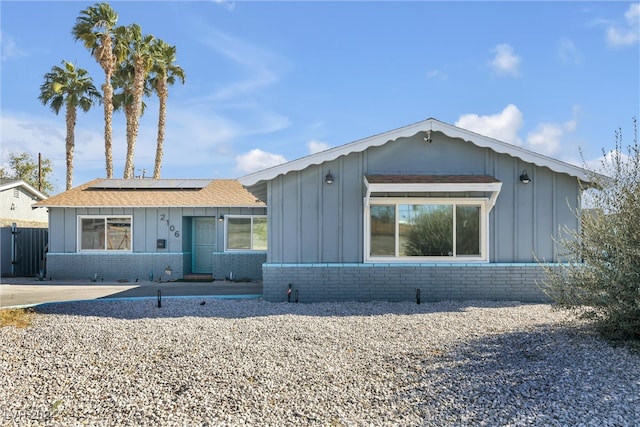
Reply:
x=104, y=232
x=245, y=233
x=412, y=229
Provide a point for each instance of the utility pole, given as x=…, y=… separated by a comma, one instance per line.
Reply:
x=39, y=171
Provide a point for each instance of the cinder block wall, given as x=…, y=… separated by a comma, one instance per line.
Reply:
x=243, y=265
x=114, y=266
x=399, y=282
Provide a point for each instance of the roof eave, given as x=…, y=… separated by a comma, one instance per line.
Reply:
x=25, y=185
x=152, y=207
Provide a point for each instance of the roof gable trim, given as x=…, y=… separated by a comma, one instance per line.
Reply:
x=430, y=125
x=39, y=195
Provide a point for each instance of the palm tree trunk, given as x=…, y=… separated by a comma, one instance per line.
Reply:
x=136, y=108
x=70, y=143
x=129, y=112
x=162, y=114
x=108, y=127
x=107, y=61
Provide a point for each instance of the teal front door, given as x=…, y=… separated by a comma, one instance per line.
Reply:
x=204, y=244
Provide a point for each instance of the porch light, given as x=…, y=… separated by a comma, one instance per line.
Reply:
x=524, y=178
x=329, y=178
x=221, y=218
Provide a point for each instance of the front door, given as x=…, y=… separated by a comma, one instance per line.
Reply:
x=204, y=244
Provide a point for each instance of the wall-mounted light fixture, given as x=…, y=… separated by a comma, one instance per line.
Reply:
x=524, y=178
x=221, y=218
x=13, y=206
x=427, y=139
x=329, y=178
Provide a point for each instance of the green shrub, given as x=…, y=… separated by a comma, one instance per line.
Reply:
x=600, y=275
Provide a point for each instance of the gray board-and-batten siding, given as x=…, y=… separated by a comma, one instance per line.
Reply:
x=321, y=223
x=149, y=224
x=318, y=247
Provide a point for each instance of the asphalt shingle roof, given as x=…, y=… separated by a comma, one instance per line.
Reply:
x=213, y=193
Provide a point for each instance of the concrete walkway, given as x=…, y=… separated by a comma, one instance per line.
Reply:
x=28, y=291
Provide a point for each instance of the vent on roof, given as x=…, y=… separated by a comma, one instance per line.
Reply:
x=151, y=184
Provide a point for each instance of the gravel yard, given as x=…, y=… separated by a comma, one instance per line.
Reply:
x=207, y=361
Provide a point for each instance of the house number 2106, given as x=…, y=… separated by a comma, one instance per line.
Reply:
x=172, y=228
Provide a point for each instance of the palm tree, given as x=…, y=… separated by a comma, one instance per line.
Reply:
x=140, y=53
x=95, y=27
x=123, y=99
x=165, y=72
x=70, y=87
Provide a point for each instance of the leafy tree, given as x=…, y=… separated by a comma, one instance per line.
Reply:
x=95, y=28
x=164, y=74
x=70, y=87
x=601, y=276
x=23, y=167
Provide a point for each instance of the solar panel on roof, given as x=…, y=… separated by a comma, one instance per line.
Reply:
x=151, y=184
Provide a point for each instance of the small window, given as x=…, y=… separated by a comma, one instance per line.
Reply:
x=16, y=193
x=102, y=233
x=248, y=233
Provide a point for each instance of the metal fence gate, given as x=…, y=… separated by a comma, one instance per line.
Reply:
x=24, y=251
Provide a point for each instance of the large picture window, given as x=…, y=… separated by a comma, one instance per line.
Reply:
x=104, y=233
x=424, y=229
x=248, y=233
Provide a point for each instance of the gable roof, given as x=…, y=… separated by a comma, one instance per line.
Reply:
x=7, y=184
x=429, y=125
x=108, y=193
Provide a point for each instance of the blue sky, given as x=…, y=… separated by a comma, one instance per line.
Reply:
x=275, y=81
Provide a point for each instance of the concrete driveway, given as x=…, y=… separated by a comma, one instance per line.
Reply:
x=29, y=291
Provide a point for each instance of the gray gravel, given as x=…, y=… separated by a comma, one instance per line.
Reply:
x=206, y=361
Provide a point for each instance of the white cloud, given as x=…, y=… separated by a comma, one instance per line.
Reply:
x=229, y=5
x=22, y=134
x=503, y=126
x=256, y=160
x=9, y=48
x=606, y=163
x=198, y=144
x=506, y=62
x=629, y=33
x=437, y=74
x=547, y=138
x=317, y=146
x=568, y=52
x=258, y=68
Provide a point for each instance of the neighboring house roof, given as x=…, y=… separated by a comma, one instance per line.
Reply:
x=155, y=193
x=429, y=125
x=7, y=184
